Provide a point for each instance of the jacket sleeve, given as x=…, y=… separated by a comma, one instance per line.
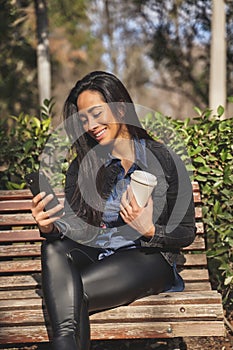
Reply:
x=70, y=224
x=175, y=219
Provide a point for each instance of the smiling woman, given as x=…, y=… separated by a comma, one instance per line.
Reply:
x=106, y=250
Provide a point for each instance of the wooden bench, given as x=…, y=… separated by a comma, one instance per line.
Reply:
x=195, y=312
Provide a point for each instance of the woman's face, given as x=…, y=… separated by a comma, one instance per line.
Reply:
x=98, y=120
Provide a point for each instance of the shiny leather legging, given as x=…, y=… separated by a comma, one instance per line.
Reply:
x=76, y=284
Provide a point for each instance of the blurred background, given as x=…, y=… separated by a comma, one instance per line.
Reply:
x=172, y=55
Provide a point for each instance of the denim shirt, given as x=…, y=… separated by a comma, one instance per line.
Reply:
x=111, y=237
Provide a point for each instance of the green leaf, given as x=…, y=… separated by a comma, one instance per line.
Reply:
x=230, y=99
x=216, y=207
x=199, y=159
x=36, y=122
x=200, y=178
x=228, y=280
x=216, y=171
x=204, y=170
x=195, y=151
x=220, y=110
x=199, y=112
x=15, y=186
x=46, y=102
x=28, y=145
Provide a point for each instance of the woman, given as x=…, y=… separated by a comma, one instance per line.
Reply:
x=106, y=251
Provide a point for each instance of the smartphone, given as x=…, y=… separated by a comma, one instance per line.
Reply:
x=37, y=182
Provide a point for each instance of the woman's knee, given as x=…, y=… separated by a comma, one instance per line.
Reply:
x=54, y=248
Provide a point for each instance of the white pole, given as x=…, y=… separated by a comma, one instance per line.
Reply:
x=43, y=59
x=217, y=88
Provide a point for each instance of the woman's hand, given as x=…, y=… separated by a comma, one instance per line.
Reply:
x=44, y=219
x=138, y=218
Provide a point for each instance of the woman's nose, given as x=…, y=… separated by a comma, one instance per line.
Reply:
x=92, y=124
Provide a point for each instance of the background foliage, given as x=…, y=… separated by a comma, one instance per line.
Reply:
x=159, y=49
x=17, y=60
x=207, y=141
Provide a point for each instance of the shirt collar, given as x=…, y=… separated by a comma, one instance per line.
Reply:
x=140, y=153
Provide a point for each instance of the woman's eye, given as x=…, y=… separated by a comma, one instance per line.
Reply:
x=83, y=120
x=96, y=115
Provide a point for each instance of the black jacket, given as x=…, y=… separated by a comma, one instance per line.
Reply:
x=173, y=211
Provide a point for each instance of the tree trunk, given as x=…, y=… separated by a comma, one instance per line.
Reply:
x=43, y=59
x=217, y=88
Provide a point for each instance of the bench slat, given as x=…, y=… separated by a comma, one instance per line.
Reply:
x=20, y=250
x=19, y=219
x=200, y=228
x=27, y=219
x=20, y=266
x=35, y=266
x=12, y=236
x=33, y=250
x=197, y=245
x=195, y=260
x=27, y=283
x=18, y=295
x=20, y=282
x=34, y=236
x=27, y=265
x=21, y=234
x=195, y=275
x=198, y=212
x=161, y=313
x=35, y=293
x=38, y=333
x=18, y=205
x=197, y=286
x=156, y=330
x=174, y=298
x=25, y=194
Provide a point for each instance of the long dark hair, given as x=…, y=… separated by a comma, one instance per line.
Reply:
x=112, y=90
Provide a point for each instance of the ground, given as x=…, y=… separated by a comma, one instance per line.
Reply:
x=196, y=343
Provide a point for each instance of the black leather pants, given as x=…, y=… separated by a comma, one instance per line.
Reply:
x=75, y=284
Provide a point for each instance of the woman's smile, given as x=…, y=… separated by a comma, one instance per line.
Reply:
x=99, y=134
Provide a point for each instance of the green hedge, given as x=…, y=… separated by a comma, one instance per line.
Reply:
x=23, y=139
x=205, y=140
x=208, y=142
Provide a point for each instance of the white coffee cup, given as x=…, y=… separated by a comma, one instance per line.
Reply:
x=142, y=184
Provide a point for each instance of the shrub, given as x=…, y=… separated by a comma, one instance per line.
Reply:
x=22, y=141
x=209, y=144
